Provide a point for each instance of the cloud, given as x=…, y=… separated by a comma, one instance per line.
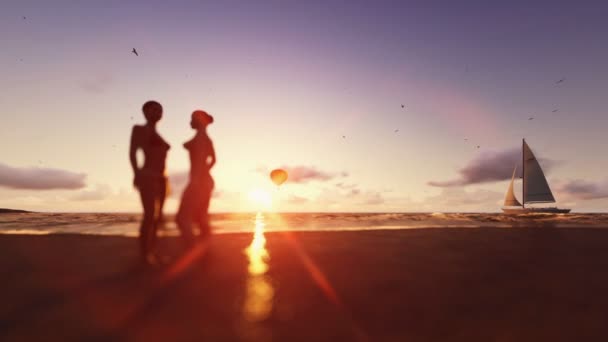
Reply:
x=584, y=190
x=35, y=178
x=350, y=195
x=373, y=198
x=458, y=197
x=345, y=186
x=293, y=199
x=488, y=167
x=304, y=174
x=100, y=192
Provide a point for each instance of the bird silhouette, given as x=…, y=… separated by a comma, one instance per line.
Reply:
x=555, y=111
x=560, y=81
x=402, y=106
x=135, y=52
x=478, y=146
x=396, y=130
x=344, y=137
x=530, y=119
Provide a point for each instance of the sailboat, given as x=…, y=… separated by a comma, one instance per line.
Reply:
x=534, y=185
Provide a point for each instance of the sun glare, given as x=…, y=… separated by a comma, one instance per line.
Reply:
x=258, y=301
x=261, y=198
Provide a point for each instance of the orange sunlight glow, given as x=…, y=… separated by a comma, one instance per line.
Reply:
x=260, y=293
x=261, y=198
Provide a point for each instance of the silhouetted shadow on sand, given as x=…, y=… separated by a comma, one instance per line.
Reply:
x=511, y=284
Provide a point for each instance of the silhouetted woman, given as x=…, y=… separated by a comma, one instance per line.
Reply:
x=194, y=207
x=150, y=179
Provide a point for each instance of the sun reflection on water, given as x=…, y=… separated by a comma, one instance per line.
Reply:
x=260, y=293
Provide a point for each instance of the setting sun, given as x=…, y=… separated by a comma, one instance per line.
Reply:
x=261, y=198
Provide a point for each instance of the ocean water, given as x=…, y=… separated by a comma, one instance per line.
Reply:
x=128, y=224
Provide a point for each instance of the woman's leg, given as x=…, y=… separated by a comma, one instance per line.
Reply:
x=204, y=213
x=184, y=217
x=147, y=223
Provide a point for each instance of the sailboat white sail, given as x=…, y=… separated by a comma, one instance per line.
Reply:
x=535, y=187
x=510, y=199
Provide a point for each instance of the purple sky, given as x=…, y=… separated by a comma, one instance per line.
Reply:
x=286, y=80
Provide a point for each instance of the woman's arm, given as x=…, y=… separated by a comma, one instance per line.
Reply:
x=133, y=146
x=211, y=155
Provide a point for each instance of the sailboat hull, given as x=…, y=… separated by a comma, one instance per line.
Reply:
x=517, y=211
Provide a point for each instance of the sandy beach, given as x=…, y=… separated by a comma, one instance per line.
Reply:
x=481, y=284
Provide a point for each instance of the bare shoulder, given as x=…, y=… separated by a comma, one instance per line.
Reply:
x=140, y=130
x=138, y=133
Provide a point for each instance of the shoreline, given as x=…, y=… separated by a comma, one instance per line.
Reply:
x=14, y=211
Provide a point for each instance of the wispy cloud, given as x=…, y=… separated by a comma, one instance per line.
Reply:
x=293, y=199
x=304, y=174
x=345, y=186
x=460, y=198
x=488, y=167
x=373, y=198
x=36, y=178
x=584, y=190
x=100, y=192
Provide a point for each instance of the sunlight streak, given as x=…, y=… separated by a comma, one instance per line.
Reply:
x=324, y=285
x=260, y=293
x=183, y=263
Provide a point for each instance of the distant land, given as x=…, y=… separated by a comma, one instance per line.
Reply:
x=12, y=211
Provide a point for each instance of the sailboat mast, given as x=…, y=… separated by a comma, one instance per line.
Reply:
x=523, y=175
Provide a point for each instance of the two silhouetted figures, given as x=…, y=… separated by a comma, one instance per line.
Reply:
x=151, y=180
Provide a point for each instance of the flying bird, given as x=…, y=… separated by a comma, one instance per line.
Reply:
x=560, y=81
x=397, y=130
x=135, y=52
x=344, y=137
x=477, y=146
x=530, y=119
x=24, y=18
x=402, y=106
x=555, y=111
x=466, y=139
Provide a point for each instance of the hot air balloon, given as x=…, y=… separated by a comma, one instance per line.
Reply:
x=278, y=176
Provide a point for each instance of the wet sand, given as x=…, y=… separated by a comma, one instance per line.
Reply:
x=481, y=284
